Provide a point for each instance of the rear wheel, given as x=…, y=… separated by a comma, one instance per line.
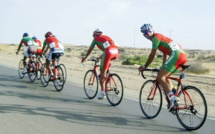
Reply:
x=60, y=81
x=194, y=116
x=90, y=84
x=114, y=91
x=150, y=99
x=45, y=75
x=32, y=74
x=21, y=68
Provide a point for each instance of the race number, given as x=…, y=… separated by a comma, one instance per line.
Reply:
x=106, y=44
x=174, y=46
x=30, y=43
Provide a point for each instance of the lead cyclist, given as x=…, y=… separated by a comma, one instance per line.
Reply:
x=173, y=56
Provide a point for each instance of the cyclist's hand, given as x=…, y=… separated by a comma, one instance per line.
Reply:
x=83, y=59
x=141, y=68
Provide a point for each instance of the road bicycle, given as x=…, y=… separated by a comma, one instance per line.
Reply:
x=56, y=73
x=33, y=68
x=190, y=108
x=113, y=84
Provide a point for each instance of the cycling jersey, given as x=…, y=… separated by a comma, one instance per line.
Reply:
x=176, y=55
x=103, y=42
x=110, y=50
x=54, y=45
x=28, y=41
x=39, y=46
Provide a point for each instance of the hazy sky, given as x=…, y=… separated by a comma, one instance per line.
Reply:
x=188, y=22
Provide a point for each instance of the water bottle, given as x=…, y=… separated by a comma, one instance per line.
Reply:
x=174, y=90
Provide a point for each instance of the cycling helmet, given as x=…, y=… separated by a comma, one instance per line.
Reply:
x=145, y=28
x=25, y=35
x=97, y=32
x=34, y=37
x=48, y=34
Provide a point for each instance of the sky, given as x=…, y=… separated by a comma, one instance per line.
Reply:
x=191, y=23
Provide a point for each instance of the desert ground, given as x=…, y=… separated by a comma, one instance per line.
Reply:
x=128, y=73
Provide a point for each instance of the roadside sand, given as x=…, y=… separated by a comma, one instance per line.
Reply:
x=129, y=74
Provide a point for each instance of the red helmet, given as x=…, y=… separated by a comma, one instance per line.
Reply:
x=97, y=32
x=48, y=34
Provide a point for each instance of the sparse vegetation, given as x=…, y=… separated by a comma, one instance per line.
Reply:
x=139, y=60
x=197, y=68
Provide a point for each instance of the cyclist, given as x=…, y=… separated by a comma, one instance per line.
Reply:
x=31, y=48
x=110, y=52
x=173, y=56
x=39, y=48
x=56, y=49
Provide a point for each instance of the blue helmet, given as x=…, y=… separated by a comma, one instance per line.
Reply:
x=34, y=37
x=145, y=28
x=25, y=35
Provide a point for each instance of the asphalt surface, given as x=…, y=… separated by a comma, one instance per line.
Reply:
x=29, y=108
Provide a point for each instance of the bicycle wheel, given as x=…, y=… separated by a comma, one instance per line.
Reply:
x=20, y=69
x=114, y=91
x=45, y=76
x=59, y=82
x=150, y=99
x=64, y=70
x=90, y=84
x=39, y=66
x=194, y=116
x=32, y=74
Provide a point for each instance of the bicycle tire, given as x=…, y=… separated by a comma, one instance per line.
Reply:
x=65, y=71
x=198, y=111
x=20, y=69
x=59, y=82
x=45, y=76
x=32, y=74
x=39, y=70
x=90, y=84
x=150, y=107
x=115, y=95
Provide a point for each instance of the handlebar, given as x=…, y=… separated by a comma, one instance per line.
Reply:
x=153, y=70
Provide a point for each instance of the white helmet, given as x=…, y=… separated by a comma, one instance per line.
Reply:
x=145, y=28
x=97, y=32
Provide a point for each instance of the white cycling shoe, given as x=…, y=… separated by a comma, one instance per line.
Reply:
x=101, y=95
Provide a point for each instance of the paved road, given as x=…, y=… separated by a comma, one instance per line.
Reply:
x=29, y=108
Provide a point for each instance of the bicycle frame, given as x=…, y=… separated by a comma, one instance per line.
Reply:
x=179, y=80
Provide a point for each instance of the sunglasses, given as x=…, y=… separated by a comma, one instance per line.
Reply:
x=147, y=32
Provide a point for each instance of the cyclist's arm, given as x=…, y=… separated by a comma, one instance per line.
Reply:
x=165, y=56
x=20, y=44
x=89, y=51
x=151, y=57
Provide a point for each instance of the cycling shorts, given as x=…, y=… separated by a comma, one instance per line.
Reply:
x=30, y=50
x=54, y=56
x=176, y=59
x=109, y=54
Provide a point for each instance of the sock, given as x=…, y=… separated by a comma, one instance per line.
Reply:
x=170, y=95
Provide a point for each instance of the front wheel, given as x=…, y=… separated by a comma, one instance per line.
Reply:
x=90, y=84
x=114, y=89
x=150, y=99
x=192, y=108
x=21, y=68
x=45, y=75
x=60, y=79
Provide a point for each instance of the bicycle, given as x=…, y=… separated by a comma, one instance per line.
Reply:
x=55, y=72
x=190, y=109
x=32, y=67
x=113, y=84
